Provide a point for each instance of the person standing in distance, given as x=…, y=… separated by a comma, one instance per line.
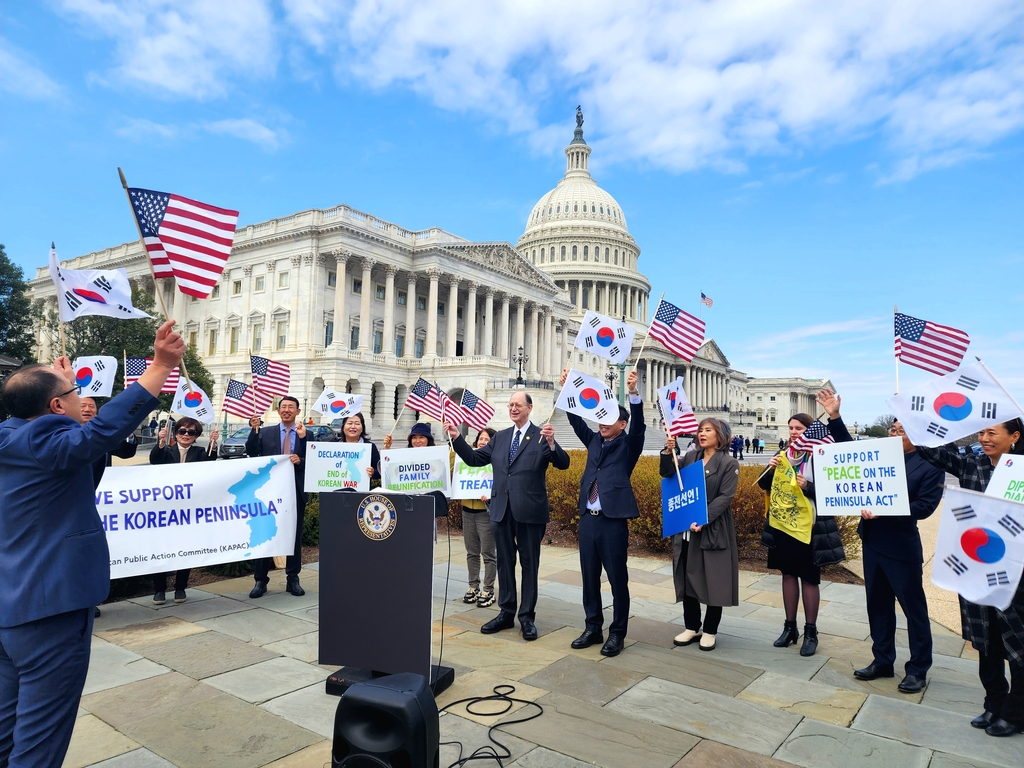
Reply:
x=54, y=560
x=519, y=457
x=289, y=439
x=606, y=505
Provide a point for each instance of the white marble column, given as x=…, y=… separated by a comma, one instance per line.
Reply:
x=518, y=341
x=469, y=335
x=503, y=331
x=549, y=346
x=365, y=317
x=387, y=346
x=409, y=348
x=579, y=295
x=533, y=342
x=649, y=384
x=431, y=348
x=487, y=342
x=452, y=317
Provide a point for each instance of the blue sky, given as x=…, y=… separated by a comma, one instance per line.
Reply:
x=806, y=167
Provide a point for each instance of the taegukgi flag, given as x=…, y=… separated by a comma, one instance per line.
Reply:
x=83, y=292
x=604, y=337
x=676, y=409
x=980, y=550
x=954, y=406
x=338, y=405
x=95, y=374
x=194, y=403
x=588, y=397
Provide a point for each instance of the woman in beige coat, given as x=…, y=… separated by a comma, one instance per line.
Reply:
x=705, y=562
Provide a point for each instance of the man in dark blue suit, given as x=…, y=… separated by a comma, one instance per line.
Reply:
x=288, y=439
x=54, y=561
x=519, y=457
x=893, y=561
x=606, y=505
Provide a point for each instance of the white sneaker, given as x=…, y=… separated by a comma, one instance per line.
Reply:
x=707, y=642
x=687, y=637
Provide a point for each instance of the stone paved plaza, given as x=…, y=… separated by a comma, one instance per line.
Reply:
x=226, y=681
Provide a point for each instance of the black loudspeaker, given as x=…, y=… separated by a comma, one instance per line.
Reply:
x=387, y=722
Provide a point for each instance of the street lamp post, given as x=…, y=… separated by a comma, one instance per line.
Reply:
x=519, y=359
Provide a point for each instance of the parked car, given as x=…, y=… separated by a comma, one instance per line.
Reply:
x=234, y=446
x=321, y=433
x=336, y=428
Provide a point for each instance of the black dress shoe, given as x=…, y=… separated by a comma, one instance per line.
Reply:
x=500, y=622
x=1001, y=727
x=613, y=647
x=873, y=671
x=984, y=720
x=529, y=629
x=912, y=684
x=259, y=590
x=588, y=638
x=294, y=588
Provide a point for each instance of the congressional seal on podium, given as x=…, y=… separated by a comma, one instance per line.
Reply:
x=377, y=517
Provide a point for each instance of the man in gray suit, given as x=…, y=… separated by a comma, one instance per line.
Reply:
x=519, y=457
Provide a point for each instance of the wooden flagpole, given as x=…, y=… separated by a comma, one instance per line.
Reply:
x=675, y=458
x=895, y=311
x=647, y=335
x=400, y=414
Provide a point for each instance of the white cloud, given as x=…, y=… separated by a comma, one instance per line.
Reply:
x=140, y=129
x=21, y=78
x=249, y=130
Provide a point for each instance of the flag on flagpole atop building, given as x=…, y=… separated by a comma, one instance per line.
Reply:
x=676, y=410
x=605, y=337
x=680, y=332
x=979, y=552
x=476, y=410
x=338, y=405
x=241, y=400
x=95, y=374
x=268, y=376
x=953, y=406
x=193, y=402
x=932, y=347
x=706, y=300
x=82, y=292
x=185, y=239
x=423, y=398
x=816, y=434
x=588, y=397
x=134, y=367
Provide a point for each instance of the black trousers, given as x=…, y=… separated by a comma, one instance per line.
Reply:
x=691, y=605
x=886, y=581
x=294, y=564
x=1005, y=699
x=512, y=538
x=180, y=580
x=603, y=541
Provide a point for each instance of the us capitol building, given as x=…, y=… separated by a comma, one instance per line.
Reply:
x=354, y=302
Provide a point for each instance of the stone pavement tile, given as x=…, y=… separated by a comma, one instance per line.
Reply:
x=711, y=754
x=657, y=610
x=502, y=658
x=561, y=639
x=650, y=564
x=969, y=652
x=284, y=602
x=843, y=593
x=441, y=587
x=771, y=582
x=310, y=614
x=935, y=729
x=111, y=666
x=473, y=735
x=311, y=566
x=480, y=684
x=853, y=612
x=114, y=615
x=208, y=609
x=640, y=576
x=311, y=757
x=773, y=599
x=454, y=605
x=221, y=731
x=815, y=700
x=947, y=645
x=311, y=708
x=753, y=648
x=651, y=632
x=93, y=740
x=570, y=594
x=686, y=666
x=839, y=673
x=664, y=594
x=665, y=569
x=739, y=611
x=967, y=699
x=749, y=578
x=539, y=757
x=585, y=680
x=561, y=612
x=750, y=629
x=229, y=586
x=820, y=745
x=942, y=760
x=156, y=696
x=150, y=632
x=268, y=679
x=572, y=578
x=206, y=654
x=709, y=715
x=602, y=737
x=137, y=758
x=855, y=630
x=450, y=630
x=194, y=596
x=302, y=647
x=259, y=626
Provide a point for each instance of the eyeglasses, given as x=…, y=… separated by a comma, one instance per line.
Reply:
x=76, y=389
x=187, y=432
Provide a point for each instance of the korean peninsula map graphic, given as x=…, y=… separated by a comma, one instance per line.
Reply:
x=263, y=527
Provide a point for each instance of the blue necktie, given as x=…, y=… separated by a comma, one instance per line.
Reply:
x=514, y=449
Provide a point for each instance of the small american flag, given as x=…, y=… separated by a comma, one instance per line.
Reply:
x=816, y=434
x=450, y=410
x=423, y=398
x=270, y=377
x=706, y=300
x=477, y=412
x=134, y=367
x=932, y=347
x=680, y=332
x=185, y=239
x=241, y=400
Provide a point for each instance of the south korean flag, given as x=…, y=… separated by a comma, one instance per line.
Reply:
x=980, y=550
x=588, y=397
x=95, y=375
x=83, y=292
x=604, y=337
x=338, y=405
x=195, y=403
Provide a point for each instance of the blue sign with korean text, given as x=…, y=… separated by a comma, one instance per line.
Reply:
x=682, y=506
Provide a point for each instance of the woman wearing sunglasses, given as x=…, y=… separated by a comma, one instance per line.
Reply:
x=186, y=431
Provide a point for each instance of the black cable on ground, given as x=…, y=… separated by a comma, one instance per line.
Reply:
x=487, y=752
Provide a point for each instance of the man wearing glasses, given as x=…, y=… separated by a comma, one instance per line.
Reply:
x=54, y=561
x=893, y=561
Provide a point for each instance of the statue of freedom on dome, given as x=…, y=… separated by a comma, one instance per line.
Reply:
x=579, y=117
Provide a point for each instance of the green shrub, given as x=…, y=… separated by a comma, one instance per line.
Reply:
x=311, y=525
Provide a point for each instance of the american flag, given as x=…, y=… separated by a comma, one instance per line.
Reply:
x=816, y=434
x=423, y=398
x=929, y=346
x=241, y=400
x=134, y=367
x=187, y=240
x=679, y=331
x=450, y=410
x=268, y=376
x=477, y=412
x=706, y=300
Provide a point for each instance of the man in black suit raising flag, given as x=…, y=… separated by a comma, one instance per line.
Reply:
x=519, y=457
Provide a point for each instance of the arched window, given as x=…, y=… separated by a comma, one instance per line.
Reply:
x=602, y=210
x=563, y=253
x=572, y=296
x=586, y=253
x=559, y=209
x=605, y=255
x=575, y=208
x=550, y=209
x=586, y=298
x=574, y=253
x=534, y=255
x=616, y=256
x=541, y=255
